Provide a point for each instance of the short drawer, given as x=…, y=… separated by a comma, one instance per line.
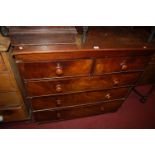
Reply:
x=9, y=99
x=120, y=64
x=36, y=70
x=81, y=111
x=68, y=85
x=78, y=98
x=6, y=84
x=16, y=114
x=2, y=64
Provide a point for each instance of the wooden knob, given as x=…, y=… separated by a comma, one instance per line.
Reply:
x=116, y=82
x=102, y=108
x=59, y=70
x=124, y=67
x=58, y=115
x=108, y=96
x=20, y=47
x=58, y=88
x=58, y=102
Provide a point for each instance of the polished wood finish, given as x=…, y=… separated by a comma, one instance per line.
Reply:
x=120, y=64
x=69, y=85
x=37, y=53
x=79, y=111
x=48, y=102
x=33, y=70
x=69, y=80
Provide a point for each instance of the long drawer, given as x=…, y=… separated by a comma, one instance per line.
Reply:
x=119, y=64
x=81, y=111
x=48, y=102
x=68, y=85
x=16, y=114
x=9, y=99
x=33, y=70
x=6, y=83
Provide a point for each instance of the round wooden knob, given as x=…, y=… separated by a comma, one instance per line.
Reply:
x=108, y=96
x=59, y=71
x=102, y=108
x=116, y=82
x=58, y=88
x=124, y=67
x=20, y=47
x=58, y=102
x=58, y=115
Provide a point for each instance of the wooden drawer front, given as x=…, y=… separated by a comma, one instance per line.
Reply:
x=108, y=65
x=17, y=114
x=55, y=69
x=81, y=111
x=2, y=64
x=37, y=88
x=6, y=84
x=8, y=100
x=77, y=99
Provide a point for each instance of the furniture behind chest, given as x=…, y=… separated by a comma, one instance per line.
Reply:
x=148, y=76
x=11, y=102
x=149, y=73
x=64, y=79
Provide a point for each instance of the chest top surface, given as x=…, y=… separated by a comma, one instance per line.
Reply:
x=55, y=39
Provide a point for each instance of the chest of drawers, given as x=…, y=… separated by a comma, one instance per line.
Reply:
x=63, y=81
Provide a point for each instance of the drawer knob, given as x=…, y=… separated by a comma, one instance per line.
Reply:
x=116, y=82
x=59, y=70
x=108, y=96
x=20, y=47
x=58, y=102
x=102, y=108
x=58, y=88
x=58, y=115
x=124, y=67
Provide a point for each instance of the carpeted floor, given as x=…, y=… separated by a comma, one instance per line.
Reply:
x=132, y=114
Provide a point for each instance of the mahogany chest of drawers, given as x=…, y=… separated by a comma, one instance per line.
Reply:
x=64, y=81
